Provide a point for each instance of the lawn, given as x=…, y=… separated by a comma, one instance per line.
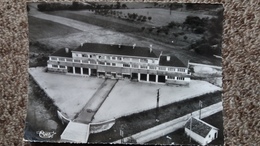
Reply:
x=39, y=29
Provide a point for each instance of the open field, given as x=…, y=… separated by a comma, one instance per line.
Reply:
x=161, y=17
x=39, y=29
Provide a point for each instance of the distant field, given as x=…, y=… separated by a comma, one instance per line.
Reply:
x=39, y=29
x=161, y=17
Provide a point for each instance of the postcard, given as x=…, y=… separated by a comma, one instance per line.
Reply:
x=125, y=72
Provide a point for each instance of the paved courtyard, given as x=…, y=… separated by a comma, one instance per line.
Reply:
x=71, y=94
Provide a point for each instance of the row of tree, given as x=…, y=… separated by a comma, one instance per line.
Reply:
x=78, y=6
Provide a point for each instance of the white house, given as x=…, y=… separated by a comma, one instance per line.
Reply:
x=200, y=131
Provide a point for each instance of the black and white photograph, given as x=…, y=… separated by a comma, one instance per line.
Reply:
x=125, y=73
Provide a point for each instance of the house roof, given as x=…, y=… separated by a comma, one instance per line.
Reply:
x=198, y=126
x=62, y=53
x=174, y=61
x=116, y=50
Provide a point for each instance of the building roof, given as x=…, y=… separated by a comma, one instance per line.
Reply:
x=174, y=61
x=62, y=53
x=116, y=50
x=198, y=126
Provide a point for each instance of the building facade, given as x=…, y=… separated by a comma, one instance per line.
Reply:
x=200, y=131
x=119, y=62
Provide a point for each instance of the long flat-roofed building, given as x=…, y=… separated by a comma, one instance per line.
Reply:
x=119, y=62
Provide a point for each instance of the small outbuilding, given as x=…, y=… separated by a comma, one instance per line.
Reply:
x=200, y=131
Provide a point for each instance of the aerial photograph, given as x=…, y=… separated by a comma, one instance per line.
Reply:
x=125, y=73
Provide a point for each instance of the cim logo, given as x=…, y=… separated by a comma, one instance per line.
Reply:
x=43, y=134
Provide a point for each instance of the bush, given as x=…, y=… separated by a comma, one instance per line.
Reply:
x=185, y=37
x=199, y=30
x=171, y=24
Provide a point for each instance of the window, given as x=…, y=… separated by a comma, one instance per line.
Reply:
x=102, y=63
x=143, y=60
x=181, y=70
x=171, y=69
x=171, y=77
x=180, y=78
x=85, y=61
x=61, y=66
x=119, y=58
x=135, y=66
x=75, y=60
x=108, y=73
x=90, y=56
x=135, y=60
x=62, y=59
x=92, y=62
x=54, y=65
x=126, y=65
x=108, y=63
x=113, y=58
x=126, y=59
x=162, y=68
x=152, y=67
x=69, y=59
x=113, y=64
x=143, y=66
x=53, y=58
x=84, y=55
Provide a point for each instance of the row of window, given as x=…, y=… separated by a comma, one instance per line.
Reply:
x=169, y=77
x=120, y=65
x=173, y=78
x=60, y=66
x=143, y=60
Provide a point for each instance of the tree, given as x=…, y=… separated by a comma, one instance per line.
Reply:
x=124, y=6
x=143, y=28
x=144, y=19
x=185, y=37
x=118, y=5
x=150, y=29
x=171, y=24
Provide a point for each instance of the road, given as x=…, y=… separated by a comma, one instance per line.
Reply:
x=171, y=126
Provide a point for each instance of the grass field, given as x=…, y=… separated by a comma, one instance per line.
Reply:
x=161, y=17
x=39, y=29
